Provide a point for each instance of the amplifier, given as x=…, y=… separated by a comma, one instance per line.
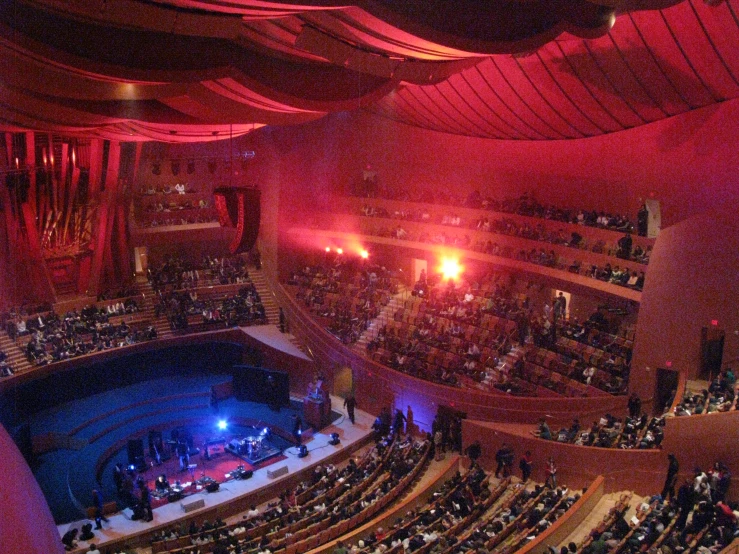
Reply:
x=212, y=487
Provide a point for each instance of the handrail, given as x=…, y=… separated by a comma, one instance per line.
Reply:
x=561, y=277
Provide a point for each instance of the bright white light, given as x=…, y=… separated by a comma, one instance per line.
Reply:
x=222, y=424
x=450, y=268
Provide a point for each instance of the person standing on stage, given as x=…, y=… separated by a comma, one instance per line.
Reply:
x=146, y=500
x=97, y=502
x=350, y=403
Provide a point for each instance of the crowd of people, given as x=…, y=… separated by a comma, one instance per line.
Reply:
x=53, y=338
x=330, y=496
x=720, y=396
x=243, y=308
x=623, y=248
x=462, y=335
x=167, y=205
x=637, y=431
x=177, y=274
x=526, y=205
x=346, y=293
x=613, y=274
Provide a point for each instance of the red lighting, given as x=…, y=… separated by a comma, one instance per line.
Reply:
x=328, y=249
x=339, y=251
x=668, y=363
x=714, y=322
x=364, y=254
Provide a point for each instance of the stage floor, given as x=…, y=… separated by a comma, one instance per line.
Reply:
x=83, y=440
x=122, y=526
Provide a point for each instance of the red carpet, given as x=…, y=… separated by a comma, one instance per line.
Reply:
x=216, y=468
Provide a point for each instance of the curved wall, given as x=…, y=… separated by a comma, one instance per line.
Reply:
x=26, y=524
x=378, y=386
x=692, y=281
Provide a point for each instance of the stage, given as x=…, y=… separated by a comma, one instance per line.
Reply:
x=122, y=528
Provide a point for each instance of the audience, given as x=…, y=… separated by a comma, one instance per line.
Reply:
x=54, y=338
x=346, y=293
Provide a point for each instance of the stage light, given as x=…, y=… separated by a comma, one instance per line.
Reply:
x=339, y=251
x=222, y=424
x=450, y=268
x=364, y=254
x=328, y=249
x=334, y=439
x=302, y=451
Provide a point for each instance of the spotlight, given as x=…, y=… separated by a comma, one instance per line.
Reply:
x=222, y=424
x=364, y=254
x=334, y=440
x=328, y=249
x=302, y=451
x=450, y=268
x=339, y=251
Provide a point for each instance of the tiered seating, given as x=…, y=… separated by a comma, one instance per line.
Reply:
x=48, y=338
x=199, y=310
x=721, y=396
x=609, y=524
x=611, y=432
x=451, y=335
x=319, y=511
x=6, y=368
x=344, y=296
x=175, y=274
x=518, y=227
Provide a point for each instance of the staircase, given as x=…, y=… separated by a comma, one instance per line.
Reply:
x=387, y=313
x=16, y=357
x=146, y=308
x=271, y=309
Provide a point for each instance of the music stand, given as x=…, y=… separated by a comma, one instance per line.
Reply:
x=191, y=469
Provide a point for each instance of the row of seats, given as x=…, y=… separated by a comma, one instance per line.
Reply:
x=199, y=310
x=524, y=205
x=347, y=296
x=631, y=432
x=52, y=338
x=327, y=505
x=623, y=248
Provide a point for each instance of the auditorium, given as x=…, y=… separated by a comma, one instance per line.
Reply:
x=287, y=276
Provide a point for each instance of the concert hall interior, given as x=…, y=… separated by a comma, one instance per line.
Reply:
x=248, y=245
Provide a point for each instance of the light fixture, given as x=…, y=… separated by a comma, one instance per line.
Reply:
x=302, y=451
x=222, y=424
x=334, y=439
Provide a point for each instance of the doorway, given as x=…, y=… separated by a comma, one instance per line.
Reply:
x=712, y=352
x=666, y=387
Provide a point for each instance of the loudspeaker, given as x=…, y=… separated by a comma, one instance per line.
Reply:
x=212, y=487
x=192, y=506
x=174, y=496
x=239, y=208
x=257, y=384
x=275, y=473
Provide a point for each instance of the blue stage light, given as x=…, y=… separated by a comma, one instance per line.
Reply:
x=222, y=424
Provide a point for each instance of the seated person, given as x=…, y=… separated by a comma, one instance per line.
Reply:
x=161, y=483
